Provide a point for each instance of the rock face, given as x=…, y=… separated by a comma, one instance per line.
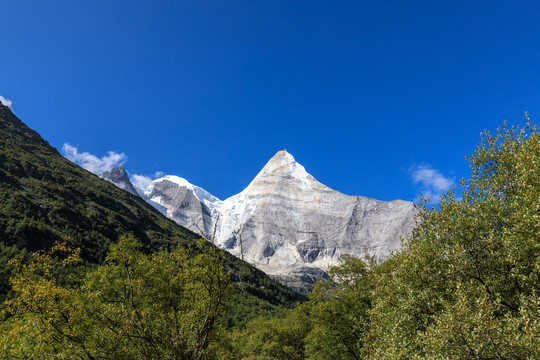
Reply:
x=291, y=226
x=119, y=177
x=188, y=205
x=285, y=222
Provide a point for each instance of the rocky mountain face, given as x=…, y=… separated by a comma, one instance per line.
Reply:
x=285, y=222
x=293, y=227
x=119, y=177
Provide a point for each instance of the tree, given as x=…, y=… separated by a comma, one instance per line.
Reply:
x=339, y=311
x=279, y=337
x=135, y=306
x=466, y=284
x=331, y=325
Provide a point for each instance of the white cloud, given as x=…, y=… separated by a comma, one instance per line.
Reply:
x=432, y=183
x=91, y=162
x=5, y=101
x=158, y=174
x=140, y=181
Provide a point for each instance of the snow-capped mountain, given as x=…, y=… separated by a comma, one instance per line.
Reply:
x=188, y=205
x=285, y=222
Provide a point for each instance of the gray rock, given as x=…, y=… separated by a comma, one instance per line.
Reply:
x=119, y=177
x=286, y=223
x=182, y=204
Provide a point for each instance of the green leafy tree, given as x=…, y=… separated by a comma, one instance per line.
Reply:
x=331, y=325
x=278, y=337
x=339, y=311
x=466, y=284
x=135, y=306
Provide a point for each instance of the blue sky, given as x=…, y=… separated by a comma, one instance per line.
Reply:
x=368, y=95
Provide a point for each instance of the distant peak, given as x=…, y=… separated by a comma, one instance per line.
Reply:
x=199, y=192
x=119, y=177
x=282, y=157
x=117, y=171
x=283, y=167
x=175, y=179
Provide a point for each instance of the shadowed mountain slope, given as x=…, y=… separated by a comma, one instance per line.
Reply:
x=45, y=197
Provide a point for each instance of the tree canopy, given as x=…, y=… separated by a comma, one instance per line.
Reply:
x=135, y=306
x=466, y=284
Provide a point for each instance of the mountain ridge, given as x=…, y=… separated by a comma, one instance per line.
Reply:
x=287, y=223
x=119, y=177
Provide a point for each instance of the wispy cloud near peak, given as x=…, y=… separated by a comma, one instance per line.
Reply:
x=91, y=162
x=141, y=181
x=432, y=183
x=6, y=102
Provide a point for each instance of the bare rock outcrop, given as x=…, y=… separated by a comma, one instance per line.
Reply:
x=119, y=177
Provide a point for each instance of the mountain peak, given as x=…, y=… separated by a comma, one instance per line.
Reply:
x=281, y=158
x=119, y=177
x=199, y=192
x=282, y=167
x=118, y=171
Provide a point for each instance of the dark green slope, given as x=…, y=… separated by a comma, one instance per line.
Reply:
x=45, y=197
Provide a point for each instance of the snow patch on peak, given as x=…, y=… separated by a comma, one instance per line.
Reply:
x=282, y=162
x=282, y=157
x=283, y=166
x=299, y=172
x=175, y=179
x=286, y=155
x=200, y=193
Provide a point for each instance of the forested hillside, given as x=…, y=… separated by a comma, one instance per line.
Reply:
x=44, y=198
